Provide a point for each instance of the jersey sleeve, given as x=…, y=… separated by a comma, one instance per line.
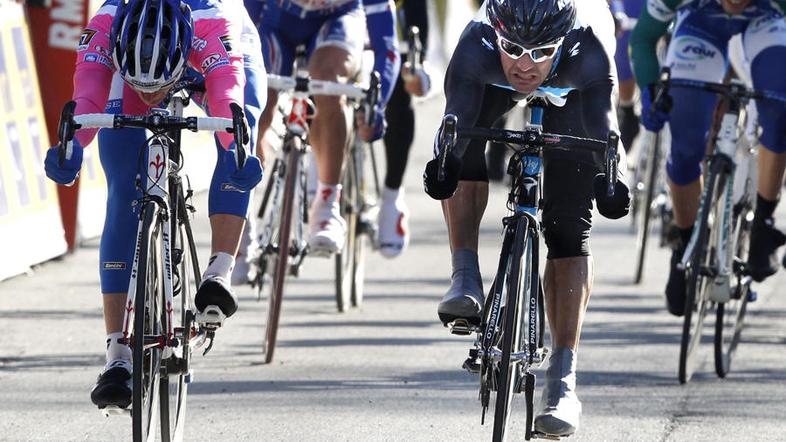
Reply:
x=216, y=54
x=381, y=24
x=94, y=69
x=651, y=25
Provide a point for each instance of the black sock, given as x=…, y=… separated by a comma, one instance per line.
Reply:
x=685, y=236
x=764, y=207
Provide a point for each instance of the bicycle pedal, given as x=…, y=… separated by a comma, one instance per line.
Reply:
x=462, y=327
x=211, y=317
x=472, y=365
x=114, y=410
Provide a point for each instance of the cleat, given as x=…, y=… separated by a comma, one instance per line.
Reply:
x=462, y=327
x=114, y=410
x=211, y=317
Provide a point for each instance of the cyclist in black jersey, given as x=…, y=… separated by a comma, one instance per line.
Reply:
x=412, y=81
x=562, y=50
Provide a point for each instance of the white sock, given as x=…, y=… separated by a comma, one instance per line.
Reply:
x=221, y=265
x=391, y=195
x=328, y=195
x=115, y=350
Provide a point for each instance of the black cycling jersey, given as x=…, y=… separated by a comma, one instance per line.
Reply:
x=583, y=74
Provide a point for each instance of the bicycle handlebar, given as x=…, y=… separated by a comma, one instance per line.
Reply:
x=734, y=91
x=532, y=141
x=157, y=121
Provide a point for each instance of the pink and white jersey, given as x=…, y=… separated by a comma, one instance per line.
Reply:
x=216, y=53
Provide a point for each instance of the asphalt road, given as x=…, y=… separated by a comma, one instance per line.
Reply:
x=391, y=372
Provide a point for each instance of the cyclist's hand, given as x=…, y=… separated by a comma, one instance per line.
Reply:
x=442, y=190
x=246, y=178
x=416, y=82
x=374, y=132
x=653, y=120
x=66, y=173
x=612, y=207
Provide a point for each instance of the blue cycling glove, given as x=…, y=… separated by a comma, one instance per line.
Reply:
x=246, y=178
x=66, y=173
x=653, y=119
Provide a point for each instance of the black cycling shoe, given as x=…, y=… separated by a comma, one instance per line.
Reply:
x=676, y=286
x=113, y=388
x=629, y=125
x=765, y=240
x=216, y=291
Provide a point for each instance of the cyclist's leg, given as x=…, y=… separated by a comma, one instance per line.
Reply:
x=694, y=54
x=393, y=213
x=119, y=153
x=337, y=49
x=567, y=283
x=463, y=213
x=765, y=45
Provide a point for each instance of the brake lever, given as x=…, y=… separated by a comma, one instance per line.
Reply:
x=65, y=132
x=240, y=132
x=447, y=139
x=612, y=143
x=372, y=98
x=662, y=91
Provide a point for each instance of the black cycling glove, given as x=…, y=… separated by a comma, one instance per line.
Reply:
x=612, y=207
x=442, y=190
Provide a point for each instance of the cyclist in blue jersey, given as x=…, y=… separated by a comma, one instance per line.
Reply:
x=698, y=51
x=334, y=33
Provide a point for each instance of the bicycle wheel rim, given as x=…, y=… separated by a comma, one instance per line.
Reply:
x=281, y=267
x=146, y=362
x=359, y=271
x=695, y=299
x=345, y=259
x=508, y=369
x=644, y=212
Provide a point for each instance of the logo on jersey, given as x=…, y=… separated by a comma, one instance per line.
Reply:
x=84, y=39
x=693, y=49
x=114, y=266
x=213, y=61
x=574, y=51
x=198, y=44
x=487, y=44
x=226, y=41
x=95, y=58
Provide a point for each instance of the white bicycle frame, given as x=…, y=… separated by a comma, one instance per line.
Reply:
x=156, y=185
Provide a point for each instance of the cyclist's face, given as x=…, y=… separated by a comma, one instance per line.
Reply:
x=523, y=74
x=153, y=98
x=734, y=7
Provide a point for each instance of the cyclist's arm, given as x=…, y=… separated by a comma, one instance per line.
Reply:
x=651, y=25
x=94, y=69
x=416, y=14
x=381, y=24
x=221, y=62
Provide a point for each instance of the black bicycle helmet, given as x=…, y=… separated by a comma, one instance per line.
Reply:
x=531, y=22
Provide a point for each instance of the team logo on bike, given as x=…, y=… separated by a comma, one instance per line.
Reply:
x=158, y=164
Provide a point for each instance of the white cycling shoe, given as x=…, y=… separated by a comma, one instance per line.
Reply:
x=560, y=407
x=393, y=223
x=327, y=229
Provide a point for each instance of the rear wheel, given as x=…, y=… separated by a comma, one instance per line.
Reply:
x=699, y=276
x=281, y=262
x=147, y=314
x=730, y=315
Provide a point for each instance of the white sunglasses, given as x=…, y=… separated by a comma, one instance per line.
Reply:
x=537, y=54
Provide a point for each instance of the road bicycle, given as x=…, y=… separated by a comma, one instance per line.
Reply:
x=716, y=255
x=161, y=324
x=283, y=214
x=509, y=340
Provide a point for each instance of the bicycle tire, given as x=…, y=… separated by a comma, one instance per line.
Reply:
x=345, y=259
x=146, y=362
x=696, y=302
x=173, y=425
x=509, y=371
x=365, y=227
x=730, y=315
x=644, y=211
x=293, y=151
x=261, y=257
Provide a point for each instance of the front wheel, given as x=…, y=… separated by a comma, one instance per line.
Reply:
x=147, y=314
x=345, y=259
x=645, y=192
